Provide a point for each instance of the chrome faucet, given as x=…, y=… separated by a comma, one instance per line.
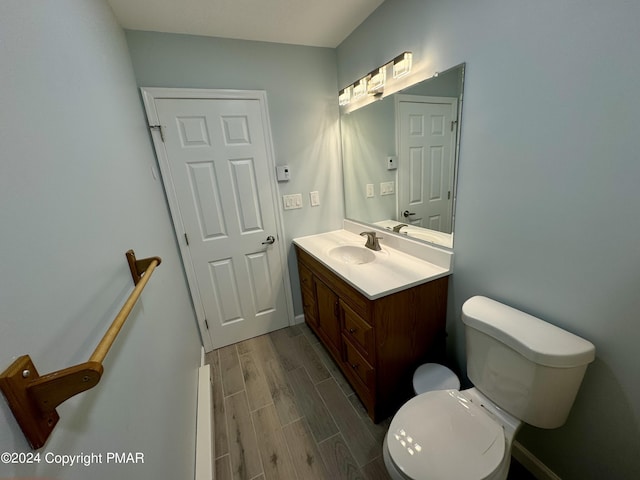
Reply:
x=372, y=240
x=398, y=227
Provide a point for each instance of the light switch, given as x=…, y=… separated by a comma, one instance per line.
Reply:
x=315, y=198
x=370, y=190
x=387, y=188
x=293, y=201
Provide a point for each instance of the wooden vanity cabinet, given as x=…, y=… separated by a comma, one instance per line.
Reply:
x=379, y=343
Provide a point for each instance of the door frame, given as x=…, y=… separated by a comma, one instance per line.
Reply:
x=149, y=96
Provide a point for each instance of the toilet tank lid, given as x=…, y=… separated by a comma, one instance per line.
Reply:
x=535, y=339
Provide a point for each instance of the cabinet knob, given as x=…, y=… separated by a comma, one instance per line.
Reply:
x=355, y=366
x=353, y=330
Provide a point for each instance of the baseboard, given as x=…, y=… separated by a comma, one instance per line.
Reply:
x=204, y=426
x=529, y=461
x=298, y=319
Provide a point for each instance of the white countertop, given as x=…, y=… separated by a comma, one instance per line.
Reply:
x=392, y=270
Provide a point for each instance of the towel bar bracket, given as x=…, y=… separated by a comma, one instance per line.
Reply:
x=138, y=267
x=49, y=391
x=34, y=398
x=36, y=424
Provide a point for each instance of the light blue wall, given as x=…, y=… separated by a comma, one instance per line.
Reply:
x=369, y=136
x=548, y=199
x=76, y=192
x=301, y=88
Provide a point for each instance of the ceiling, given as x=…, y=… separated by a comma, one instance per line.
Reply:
x=320, y=23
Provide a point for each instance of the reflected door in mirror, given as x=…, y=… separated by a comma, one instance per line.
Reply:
x=426, y=142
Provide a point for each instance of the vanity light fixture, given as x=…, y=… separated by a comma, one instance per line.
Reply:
x=374, y=82
x=344, y=97
x=402, y=64
x=360, y=88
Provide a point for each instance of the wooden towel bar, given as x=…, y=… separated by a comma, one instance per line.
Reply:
x=33, y=398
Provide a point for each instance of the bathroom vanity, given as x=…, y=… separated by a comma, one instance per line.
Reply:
x=379, y=314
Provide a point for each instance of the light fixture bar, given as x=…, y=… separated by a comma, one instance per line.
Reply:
x=374, y=82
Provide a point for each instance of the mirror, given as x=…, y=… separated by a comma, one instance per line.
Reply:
x=400, y=158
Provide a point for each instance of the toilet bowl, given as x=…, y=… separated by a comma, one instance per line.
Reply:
x=524, y=370
x=449, y=434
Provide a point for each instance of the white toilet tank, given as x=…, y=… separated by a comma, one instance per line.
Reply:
x=526, y=366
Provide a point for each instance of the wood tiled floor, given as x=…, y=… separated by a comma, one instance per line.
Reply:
x=282, y=410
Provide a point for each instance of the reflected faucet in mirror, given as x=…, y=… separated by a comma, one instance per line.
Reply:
x=419, y=127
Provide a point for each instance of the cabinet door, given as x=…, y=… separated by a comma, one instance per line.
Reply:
x=328, y=315
x=308, y=297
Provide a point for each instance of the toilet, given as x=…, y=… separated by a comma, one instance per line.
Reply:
x=524, y=370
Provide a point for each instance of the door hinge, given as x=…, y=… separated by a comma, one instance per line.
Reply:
x=453, y=124
x=206, y=324
x=186, y=239
x=449, y=195
x=159, y=128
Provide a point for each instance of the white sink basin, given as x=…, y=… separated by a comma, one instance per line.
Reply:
x=352, y=254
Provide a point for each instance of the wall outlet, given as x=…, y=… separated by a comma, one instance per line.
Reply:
x=387, y=188
x=370, y=192
x=314, y=197
x=292, y=201
x=392, y=162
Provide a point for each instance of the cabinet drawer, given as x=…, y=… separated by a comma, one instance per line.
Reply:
x=359, y=332
x=357, y=365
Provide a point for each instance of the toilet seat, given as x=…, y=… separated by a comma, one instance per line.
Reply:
x=445, y=434
x=433, y=376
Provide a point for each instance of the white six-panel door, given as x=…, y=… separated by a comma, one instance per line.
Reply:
x=217, y=168
x=426, y=147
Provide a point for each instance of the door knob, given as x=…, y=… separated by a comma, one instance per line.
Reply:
x=270, y=240
x=407, y=213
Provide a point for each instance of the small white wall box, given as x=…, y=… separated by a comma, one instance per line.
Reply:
x=282, y=173
x=392, y=162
